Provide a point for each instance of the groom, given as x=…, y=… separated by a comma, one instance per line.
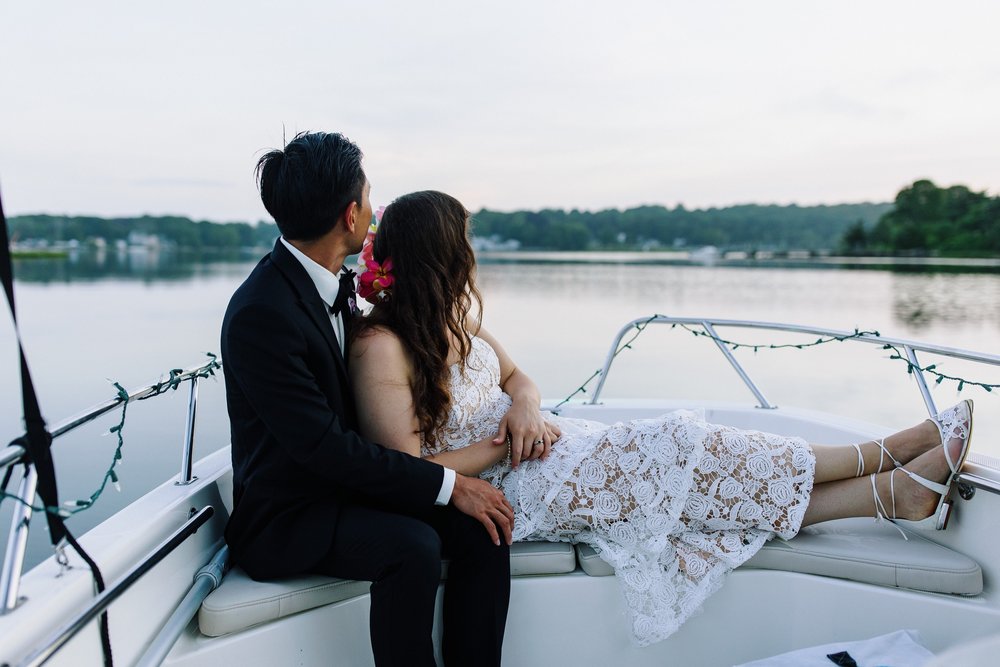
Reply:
x=310, y=493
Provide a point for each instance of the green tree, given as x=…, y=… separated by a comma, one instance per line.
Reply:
x=927, y=219
x=855, y=240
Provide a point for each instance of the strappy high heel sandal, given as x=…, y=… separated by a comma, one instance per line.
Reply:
x=955, y=422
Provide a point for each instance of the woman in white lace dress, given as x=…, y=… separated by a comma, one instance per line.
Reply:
x=673, y=503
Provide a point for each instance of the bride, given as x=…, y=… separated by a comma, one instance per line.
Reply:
x=673, y=503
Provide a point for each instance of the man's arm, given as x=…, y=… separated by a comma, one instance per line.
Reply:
x=266, y=355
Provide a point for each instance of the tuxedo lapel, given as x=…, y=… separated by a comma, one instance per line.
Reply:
x=309, y=299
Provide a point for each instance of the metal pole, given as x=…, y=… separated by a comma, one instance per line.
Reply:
x=187, y=448
x=158, y=650
x=918, y=375
x=17, y=542
x=60, y=637
x=110, y=404
x=10, y=455
x=206, y=580
x=736, y=366
x=611, y=357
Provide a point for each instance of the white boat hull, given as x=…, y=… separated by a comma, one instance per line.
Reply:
x=560, y=619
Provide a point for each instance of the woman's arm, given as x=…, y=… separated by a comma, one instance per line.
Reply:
x=380, y=374
x=523, y=422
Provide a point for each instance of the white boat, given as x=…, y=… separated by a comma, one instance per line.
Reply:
x=835, y=582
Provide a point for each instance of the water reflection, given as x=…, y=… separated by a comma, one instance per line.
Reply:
x=920, y=295
x=129, y=263
x=922, y=300
x=130, y=317
x=914, y=301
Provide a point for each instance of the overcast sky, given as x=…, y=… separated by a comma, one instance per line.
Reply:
x=115, y=108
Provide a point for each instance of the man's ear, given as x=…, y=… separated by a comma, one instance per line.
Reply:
x=350, y=216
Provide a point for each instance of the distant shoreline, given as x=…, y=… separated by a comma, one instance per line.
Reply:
x=680, y=258
x=39, y=254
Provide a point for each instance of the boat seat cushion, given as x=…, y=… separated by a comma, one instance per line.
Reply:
x=240, y=602
x=859, y=550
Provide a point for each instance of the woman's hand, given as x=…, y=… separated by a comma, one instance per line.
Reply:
x=523, y=427
x=530, y=436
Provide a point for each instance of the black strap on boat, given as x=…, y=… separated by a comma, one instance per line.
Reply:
x=37, y=443
x=6, y=480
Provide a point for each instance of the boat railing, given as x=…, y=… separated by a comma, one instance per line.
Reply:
x=206, y=580
x=14, y=453
x=51, y=644
x=909, y=350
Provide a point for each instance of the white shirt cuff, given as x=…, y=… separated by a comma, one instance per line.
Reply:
x=447, y=486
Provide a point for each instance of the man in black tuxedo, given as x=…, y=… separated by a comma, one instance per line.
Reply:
x=310, y=494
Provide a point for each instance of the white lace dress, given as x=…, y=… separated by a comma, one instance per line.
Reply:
x=673, y=503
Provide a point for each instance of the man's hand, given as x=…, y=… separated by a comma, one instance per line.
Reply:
x=486, y=504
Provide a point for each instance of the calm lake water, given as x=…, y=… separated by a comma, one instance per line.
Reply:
x=129, y=320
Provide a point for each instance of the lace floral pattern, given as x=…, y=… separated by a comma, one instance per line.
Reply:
x=673, y=503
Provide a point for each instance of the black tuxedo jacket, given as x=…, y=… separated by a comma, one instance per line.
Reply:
x=297, y=458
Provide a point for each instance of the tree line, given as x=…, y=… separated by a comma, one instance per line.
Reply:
x=745, y=227
x=176, y=230
x=737, y=227
x=926, y=219
x=923, y=219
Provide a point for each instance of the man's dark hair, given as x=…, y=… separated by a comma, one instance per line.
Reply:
x=306, y=186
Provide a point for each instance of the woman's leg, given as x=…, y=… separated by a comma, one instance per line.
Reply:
x=854, y=497
x=841, y=462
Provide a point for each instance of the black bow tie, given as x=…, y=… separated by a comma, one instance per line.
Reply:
x=345, y=302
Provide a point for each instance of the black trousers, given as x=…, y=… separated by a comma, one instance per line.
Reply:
x=401, y=556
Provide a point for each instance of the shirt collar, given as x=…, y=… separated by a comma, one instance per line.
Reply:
x=327, y=283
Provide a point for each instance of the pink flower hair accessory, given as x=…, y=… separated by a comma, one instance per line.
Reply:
x=375, y=279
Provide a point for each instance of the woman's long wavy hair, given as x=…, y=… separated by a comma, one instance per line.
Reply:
x=433, y=292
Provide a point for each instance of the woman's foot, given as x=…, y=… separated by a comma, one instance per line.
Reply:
x=906, y=445
x=904, y=498
x=917, y=492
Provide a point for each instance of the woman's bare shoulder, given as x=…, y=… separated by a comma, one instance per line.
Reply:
x=377, y=340
x=489, y=338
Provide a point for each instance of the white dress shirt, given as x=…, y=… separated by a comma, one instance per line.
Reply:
x=328, y=285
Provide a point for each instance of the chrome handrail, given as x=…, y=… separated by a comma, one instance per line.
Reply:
x=134, y=395
x=187, y=447
x=10, y=454
x=763, y=402
x=206, y=580
x=17, y=544
x=60, y=637
x=973, y=481
x=910, y=347
x=10, y=573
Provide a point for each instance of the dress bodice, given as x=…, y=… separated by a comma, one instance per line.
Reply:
x=477, y=401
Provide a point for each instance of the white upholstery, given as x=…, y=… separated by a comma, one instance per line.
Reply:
x=856, y=549
x=240, y=602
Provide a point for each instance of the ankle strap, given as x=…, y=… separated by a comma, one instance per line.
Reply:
x=880, y=513
x=861, y=461
x=882, y=453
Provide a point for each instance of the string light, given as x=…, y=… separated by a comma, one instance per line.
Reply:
x=930, y=369
x=627, y=345
x=174, y=380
